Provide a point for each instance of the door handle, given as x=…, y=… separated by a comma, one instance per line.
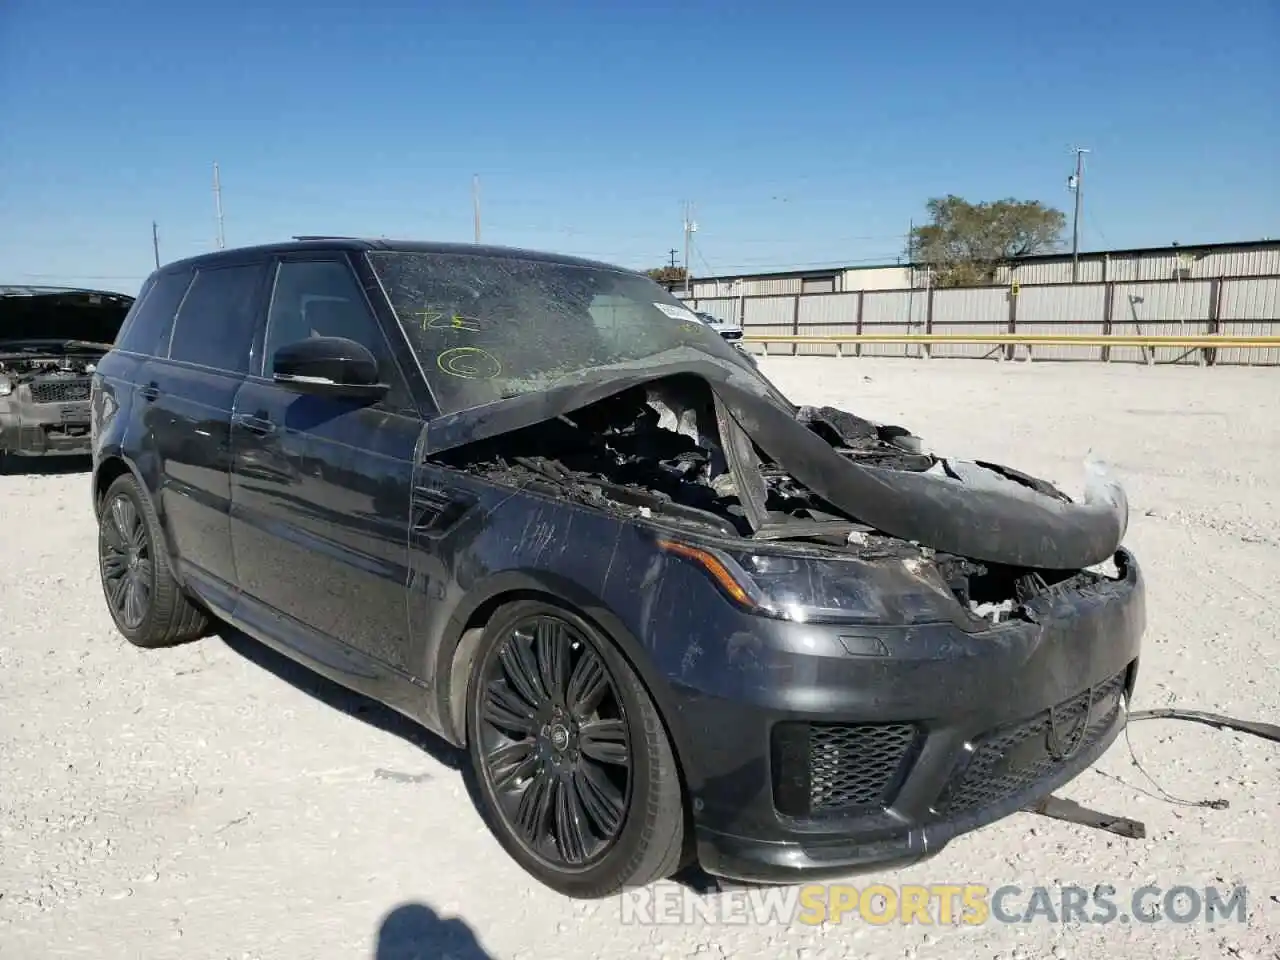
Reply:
x=150, y=392
x=254, y=424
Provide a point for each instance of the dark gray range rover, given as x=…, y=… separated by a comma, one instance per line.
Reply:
x=51, y=339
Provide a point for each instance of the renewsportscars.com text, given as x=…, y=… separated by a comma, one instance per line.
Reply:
x=935, y=904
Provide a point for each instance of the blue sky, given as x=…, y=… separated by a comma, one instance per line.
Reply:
x=804, y=133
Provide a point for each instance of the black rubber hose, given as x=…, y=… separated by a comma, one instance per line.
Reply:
x=1266, y=731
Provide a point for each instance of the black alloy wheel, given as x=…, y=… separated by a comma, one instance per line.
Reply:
x=145, y=601
x=128, y=573
x=572, y=758
x=556, y=749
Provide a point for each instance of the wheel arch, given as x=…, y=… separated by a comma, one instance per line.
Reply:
x=109, y=467
x=458, y=651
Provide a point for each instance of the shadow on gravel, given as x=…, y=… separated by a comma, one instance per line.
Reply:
x=340, y=698
x=414, y=931
x=383, y=718
x=43, y=466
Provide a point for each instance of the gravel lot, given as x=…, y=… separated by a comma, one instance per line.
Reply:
x=215, y=802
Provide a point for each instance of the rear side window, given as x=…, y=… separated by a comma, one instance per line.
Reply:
x=147, y=331
x=217, y=320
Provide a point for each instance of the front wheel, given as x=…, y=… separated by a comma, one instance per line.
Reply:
x=576, y=775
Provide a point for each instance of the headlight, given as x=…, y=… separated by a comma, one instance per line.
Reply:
x=6, y=386
x=807, y=589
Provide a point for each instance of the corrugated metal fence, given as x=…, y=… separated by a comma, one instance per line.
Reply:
x=1232, y=306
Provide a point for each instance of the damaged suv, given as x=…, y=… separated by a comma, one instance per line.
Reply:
x=533, y=503
x=50, y=340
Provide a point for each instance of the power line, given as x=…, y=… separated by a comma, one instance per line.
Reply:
x=1092, y=221
x=885, y=259
x=711, y=271
x=776, y=241
x=785, y=241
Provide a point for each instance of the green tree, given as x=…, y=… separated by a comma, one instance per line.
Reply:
x=667, y=274
x=964, y=243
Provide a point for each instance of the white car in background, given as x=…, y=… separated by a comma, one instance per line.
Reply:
x=730, y=331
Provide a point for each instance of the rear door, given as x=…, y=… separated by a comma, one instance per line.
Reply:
x=321, y=485
x=186, y=394
x=143, y=336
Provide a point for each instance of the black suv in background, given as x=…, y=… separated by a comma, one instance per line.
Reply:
x=50, y=340
x=537, y=505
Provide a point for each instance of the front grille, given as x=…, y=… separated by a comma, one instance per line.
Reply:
x=824, y=768
x=1016, y=756
x=60, y=391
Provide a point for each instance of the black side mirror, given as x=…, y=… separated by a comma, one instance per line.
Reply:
x=329, y=366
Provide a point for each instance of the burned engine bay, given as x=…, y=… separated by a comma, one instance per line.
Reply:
x=20, y=368
x=657, y=451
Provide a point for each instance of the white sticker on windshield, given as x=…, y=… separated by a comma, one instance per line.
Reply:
x=676, y=313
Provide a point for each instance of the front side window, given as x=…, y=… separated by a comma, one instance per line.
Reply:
x=218, y=318
x=487, y=328
x=321, y=298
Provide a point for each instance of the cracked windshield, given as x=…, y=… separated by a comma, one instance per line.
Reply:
x=491, y=329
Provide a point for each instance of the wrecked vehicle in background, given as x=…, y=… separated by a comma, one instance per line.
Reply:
x=534, y=503
x=731, y=332
x=50, y=340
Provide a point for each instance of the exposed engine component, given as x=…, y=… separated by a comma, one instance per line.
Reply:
x=637, y=451
x=655, y=451
x=19, y=369
x=51, y=380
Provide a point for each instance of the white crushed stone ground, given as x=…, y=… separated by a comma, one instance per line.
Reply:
x=214, y=802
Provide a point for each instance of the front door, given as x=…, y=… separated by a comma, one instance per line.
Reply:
x=321, y=486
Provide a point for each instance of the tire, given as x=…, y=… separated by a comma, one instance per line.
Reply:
x=648, y=841
x=163, y=615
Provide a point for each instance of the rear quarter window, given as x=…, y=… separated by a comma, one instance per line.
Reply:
x=147, y=328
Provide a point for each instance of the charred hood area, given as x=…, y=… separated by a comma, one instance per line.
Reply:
x=653, y=450
x=700, y=447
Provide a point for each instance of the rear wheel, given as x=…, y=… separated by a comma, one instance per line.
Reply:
x=576, y=774
x=145, y=601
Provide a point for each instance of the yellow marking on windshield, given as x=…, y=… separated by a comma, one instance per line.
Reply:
x=438, y=320
x=469, y=363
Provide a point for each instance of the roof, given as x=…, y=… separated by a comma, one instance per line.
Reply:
x=805, y=272
x=1238, y=245
x=370, y=244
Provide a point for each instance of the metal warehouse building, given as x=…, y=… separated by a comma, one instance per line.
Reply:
x=1252, y=258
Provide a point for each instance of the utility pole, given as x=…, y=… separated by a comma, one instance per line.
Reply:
x=674, y=253
x=475, y=202
x=1076, y=184
x=689, y=227
x=217, y=202
x=155, y=242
